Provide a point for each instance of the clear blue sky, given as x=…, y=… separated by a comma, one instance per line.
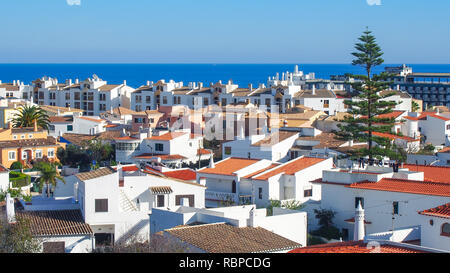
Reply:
x=220, y=31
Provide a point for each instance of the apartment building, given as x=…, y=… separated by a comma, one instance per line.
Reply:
x=92, y=95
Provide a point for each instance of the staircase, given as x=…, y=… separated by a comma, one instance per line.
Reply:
x=125, y=203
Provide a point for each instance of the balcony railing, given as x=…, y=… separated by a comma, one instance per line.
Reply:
x=221, y=196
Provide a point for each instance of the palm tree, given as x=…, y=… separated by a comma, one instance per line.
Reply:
x=49, y=175
x=28, y=115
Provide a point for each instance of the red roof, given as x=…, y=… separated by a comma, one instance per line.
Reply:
x=167, y=136
x=263, y=170
x=425, y=115
x=203, y=152
x=130, y=169
x=291, y=167
x=229, y=166
x=353, y=247
x=431, y=173
x=405, y=186
x=441, y=211
x=182, y=174
x=126, y=138
x=93, y=119
x=393, y=114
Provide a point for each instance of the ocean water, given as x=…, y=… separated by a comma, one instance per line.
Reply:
x=138, y=74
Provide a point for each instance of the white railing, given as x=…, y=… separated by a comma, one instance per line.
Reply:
x=220, y=196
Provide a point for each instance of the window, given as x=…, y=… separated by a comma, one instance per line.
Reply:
x=160, y=201
x=395, y=207
x=12, y=155
x=22, y=136
x=38, y=154
x=67, y=96
x=148, y=99
x=164, y=100
x=14, y=136
x=24, y=155
x=30, y=136
x=228, y=150
x=127, y=146
x=326, y=103
x=102, y=97
x=307, y=193
x=101, y=205
x=102, y=107
x=233, y=187
x=224, y=102
x=51, y=153
x=357, y=200
x=448, y=126
x=159, y=147
x=445, y=230
x=54, y=247
x=77, y=96
x=260, y=193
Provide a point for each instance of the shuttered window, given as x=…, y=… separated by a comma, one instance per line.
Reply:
x=101, y=205
x=179, y=197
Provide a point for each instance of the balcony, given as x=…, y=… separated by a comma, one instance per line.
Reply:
x=221, y=196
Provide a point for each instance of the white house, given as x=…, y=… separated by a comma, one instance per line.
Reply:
x=116, y=204
x=57, y=231
x=390, y=198
x=435, y=227
x=88, y=125
x=4, y=178
x=274, y=147
x=250, y=181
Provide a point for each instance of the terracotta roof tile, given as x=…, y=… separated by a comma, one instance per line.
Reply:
x=431, y=173
x=291, y=167
x=224, y=238
x=392, y=137
x=182, y=174
x=56, y=222
x=275, y=138
x=353, y=247
x=167, y=136
x=405, y=186
x=229, y=166
x=95, y=174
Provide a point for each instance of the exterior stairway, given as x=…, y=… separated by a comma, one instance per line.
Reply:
x=125, y=203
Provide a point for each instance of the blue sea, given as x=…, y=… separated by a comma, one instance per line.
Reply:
x=138, y=74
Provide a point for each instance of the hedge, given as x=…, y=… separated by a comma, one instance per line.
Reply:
x=19, y=179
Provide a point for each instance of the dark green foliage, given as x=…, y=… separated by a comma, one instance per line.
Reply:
x=19, y=179
x=28, y=114
x=313, y=240
x=16, y=166
x=49, y=176
x=327, y=228
x=74, y=157
x=18, y=238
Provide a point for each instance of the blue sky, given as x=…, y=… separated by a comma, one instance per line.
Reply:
x=220, y=31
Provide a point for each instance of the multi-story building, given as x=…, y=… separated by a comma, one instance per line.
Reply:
x=93, y=96
x=27, y=144
x=16, y=89
x=432, y=88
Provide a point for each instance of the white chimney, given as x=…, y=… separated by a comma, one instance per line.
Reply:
x=252, y=220
x=359, y=232
x=77, y=81
x=313, y=89
x=10, y=211
x=211, y=162
x=148, y=83
x=202, y=181
x=124, y=82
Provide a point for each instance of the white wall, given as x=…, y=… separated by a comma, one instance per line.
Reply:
x=431, y=234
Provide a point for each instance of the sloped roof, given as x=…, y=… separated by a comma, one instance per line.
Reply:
x=354, y=247
x=224, y=238
x=229, y=166
x=95, y=174
x=56, y=222
x=291, y=167
x=441, y=211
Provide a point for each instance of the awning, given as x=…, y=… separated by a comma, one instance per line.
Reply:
x=161, y=190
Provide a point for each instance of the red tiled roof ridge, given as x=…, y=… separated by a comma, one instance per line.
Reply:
x=441, y=211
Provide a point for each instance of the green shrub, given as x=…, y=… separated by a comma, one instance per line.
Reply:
x=19, y=179
x=329, y=233
x=314, y=240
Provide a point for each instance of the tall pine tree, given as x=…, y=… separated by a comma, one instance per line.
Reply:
x=367, y=108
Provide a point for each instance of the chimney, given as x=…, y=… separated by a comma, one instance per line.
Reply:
x=250, y=87
x=124, y=82
x=200, y=85
x=10, y=211
x=35, y=127
x=359, y=232
x=148, y=83
x=252, y=220
x=77, y=81
x=313, y=89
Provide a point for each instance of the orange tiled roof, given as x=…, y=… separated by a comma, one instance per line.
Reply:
x=263, y=170
x=425, y=115
x=353, y=247
x=393, y=114
x=229, y=166
x=185, y=174
x=431, y=173
x=203, y=152
x=93, y=119
x=126, y=138
x=291, y=167
x=167, y=136
x=405, y=186
x=392, y=137
x=441, y=211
